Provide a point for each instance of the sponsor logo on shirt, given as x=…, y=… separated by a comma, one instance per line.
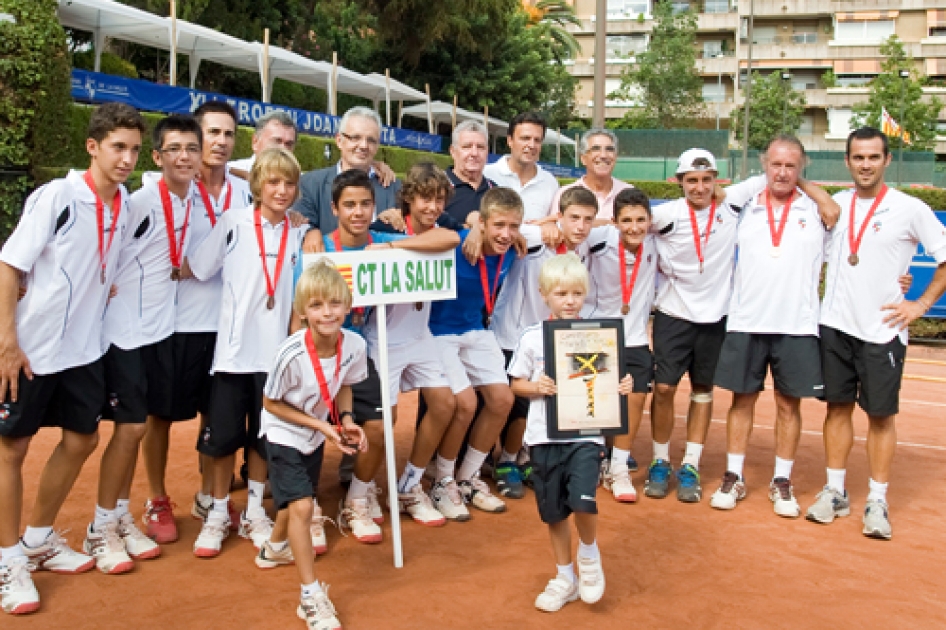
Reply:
x=877, y=225
x=802, y=223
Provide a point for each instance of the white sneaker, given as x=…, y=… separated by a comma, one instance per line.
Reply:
x=138, y=546
x=269, y=558
x=355, y=516
x=18, y=595
x=57, y=556
x=317, y=529
x=730, y=491
x=318, y=611
x=476, y=493
x=257, y=529
x=108, y=549
x=783, y=498
x=446, y=497
x=558, y=592
x=619, y=483
x=374, y=503
x=416, y=503
x=590, y=579
x=211, y=538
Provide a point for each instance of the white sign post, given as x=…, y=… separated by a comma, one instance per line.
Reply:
x=392, y=276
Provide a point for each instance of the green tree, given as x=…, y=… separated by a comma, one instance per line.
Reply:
x=558, y=14
x=775, y=108
x=903, y=99
x=665, y=80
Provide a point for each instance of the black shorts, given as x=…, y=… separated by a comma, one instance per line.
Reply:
x=292, y=475
x=639, y=363
x=193, y=355
x=862, y=372
x=565, y=477
x=71, y=399
x=520, y=405
x=795, y=362
x=366, y=397
x=233, y=418
x=139, y=382
x=681, y=346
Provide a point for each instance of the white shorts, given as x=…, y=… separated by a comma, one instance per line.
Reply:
x=412, y=366
x=472, y=359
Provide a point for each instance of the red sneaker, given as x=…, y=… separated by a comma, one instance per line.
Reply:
x=159, y=520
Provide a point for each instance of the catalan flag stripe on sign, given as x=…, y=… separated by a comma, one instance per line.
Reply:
x=345, y=270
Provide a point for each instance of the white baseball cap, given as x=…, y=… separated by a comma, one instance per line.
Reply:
x=696, y=160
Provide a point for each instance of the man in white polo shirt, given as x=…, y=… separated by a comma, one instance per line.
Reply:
x=599, y=155
x=864, y=319
x=773, y=319
x=520, y=169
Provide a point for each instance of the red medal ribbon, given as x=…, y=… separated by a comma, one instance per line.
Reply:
x=410, y=228
x=696, y=230
x=337, y=239
x=627, y=289
x=100, y=219
x=320, y=374
x=175, y=248
x=208, y=206
x=561, y=248
x=271, y=282
x=783, y=221
x=490, y=298
x=855, y=243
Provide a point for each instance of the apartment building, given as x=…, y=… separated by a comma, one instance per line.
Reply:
x=805, y=37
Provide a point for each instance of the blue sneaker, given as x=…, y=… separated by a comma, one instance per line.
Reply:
x=631, y=463
x=688, y=484
x=657, y=485
x=508, y=480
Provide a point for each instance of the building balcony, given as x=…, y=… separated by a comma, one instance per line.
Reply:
x=879, y=5
x=717, y=65
x=586, y=67
x=789, y=8
x=718, y=21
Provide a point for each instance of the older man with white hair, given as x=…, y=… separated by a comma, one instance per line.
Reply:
x=598, y=148
x=275, y=128
x=469, y=151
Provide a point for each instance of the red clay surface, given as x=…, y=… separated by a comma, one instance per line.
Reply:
x=668, y=565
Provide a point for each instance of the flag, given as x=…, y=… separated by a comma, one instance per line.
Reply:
x=345, y=270
x=891, y=127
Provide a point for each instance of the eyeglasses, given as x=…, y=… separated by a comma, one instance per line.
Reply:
x=597, y=148
x=371, y=142
x=175, y=150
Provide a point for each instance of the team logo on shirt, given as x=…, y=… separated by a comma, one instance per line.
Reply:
x=877, y=225
x=719, y=217
x=294, y=259
x=649, y=258
x=802, y=223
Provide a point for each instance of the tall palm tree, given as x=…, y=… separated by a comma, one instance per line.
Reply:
x=555, y=15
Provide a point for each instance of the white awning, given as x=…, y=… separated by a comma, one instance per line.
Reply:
x=442, y=113
x=399, y=91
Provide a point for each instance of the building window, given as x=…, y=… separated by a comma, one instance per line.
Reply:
x=854, y=80
x=864, y=30
x=680, y=6
x=807, y=126
x=712, y=49
x=716, y=6
x=764, y=35
x=618, y=9
x=625, y=46
x=714, y=92
x=938, y=31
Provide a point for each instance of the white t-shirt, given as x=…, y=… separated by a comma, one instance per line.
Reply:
x=198, y=302
x=778, y=294
x=605, y=269
x=143, y=310
x=55, y=244
x=248, y=333
x=244, y=164
x=293, y=381
x=537, y=194
x=528, y=362
x=854, y=294
x=519, y=303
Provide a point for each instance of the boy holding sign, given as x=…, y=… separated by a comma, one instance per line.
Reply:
x=353, y=204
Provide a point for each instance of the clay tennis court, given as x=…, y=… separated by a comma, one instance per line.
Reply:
x=668, y=565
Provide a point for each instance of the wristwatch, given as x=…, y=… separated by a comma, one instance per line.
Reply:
x=341, y=416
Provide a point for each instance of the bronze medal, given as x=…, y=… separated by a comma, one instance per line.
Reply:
x=175, y=274
x=102, y=276
x=271, y=303
x=853, y=259
x=625, y=309
x=419, y=306
x=489, y=320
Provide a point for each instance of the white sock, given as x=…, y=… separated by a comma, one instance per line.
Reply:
x=308, y=590
x=588, y=551
x=358, y=489
x=254, y=498
x=472, y=462
x=278, y=546
x=8, y=553
x=878, y=491
x=219, y=511
x=409, y=478
x=567, y=571
x=662, y=451
x=204, y=499
x=507, y=456
x=103, y=517
x=734, y=463
x=836, y=478
x=121, y=507
x=445, y=467
x=523, y=456
x=36, y=536
x=783, y=468
x=692, y=455
x=618, y=459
